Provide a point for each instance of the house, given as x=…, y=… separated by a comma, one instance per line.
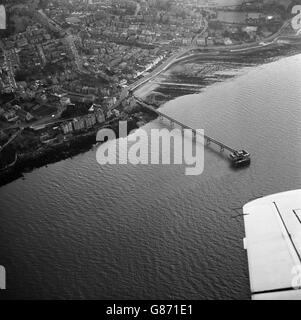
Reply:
x=17, y=107
x=210, y=41
x=228, y=41
x=255, y=18
x=79, y=124
x=29, y=117
x=67, y=127
x=273, y=18
x=251, y=31
x=90, y=120
x=65, y=101
x=100, y=116
x=10, y=116
x=201, y=42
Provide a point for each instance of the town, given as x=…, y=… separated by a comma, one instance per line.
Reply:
x=66, y=65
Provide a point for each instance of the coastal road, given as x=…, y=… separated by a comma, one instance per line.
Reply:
x=157, y=71
x=213, y=50
x=261, y=43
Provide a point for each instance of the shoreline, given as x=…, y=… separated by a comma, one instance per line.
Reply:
x=85, y=141
x=82, y=143
x=192, y=85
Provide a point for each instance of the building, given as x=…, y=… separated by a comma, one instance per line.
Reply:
x=100, y=116
x=79, y=124
x=10, y=116
x=65, y=101
x=255, y=18
x=67, y=127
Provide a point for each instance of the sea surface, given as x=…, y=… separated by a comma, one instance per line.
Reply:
x=76, y=229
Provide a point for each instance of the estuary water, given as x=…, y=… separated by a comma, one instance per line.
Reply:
x=76, y=229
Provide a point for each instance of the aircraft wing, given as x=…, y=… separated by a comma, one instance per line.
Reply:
x=273, y=244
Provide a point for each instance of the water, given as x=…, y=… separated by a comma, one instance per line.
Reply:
x=79, y=230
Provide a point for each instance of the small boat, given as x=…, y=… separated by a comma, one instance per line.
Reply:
x=240, y=158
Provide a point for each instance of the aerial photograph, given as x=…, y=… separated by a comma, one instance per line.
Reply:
x=150, y=150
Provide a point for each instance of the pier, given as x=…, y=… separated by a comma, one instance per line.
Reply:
x=208, y=140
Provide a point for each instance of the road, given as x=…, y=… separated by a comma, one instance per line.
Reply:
x=51, y=22
x=214, y=50
x=138, y=8
x=12, y=138
x=262, y=43
x=194, y=41
x=69, y=38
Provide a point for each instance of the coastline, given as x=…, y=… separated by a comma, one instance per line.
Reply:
x=85, y=141
x=172, y=86
x=30, y=161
